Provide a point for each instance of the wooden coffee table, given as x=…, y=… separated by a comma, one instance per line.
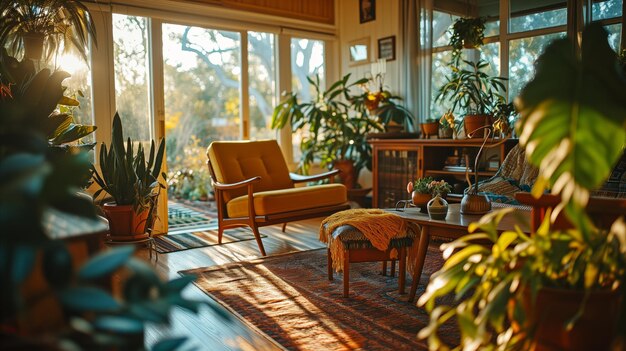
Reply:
x=454, y=226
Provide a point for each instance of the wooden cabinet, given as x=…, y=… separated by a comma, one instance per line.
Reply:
x=397, y=161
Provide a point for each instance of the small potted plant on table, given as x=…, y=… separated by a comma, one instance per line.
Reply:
x=423, y=189
x=132, y=180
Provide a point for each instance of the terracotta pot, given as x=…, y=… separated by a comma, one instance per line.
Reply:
x=430, y=128
x=33, y=45
x=124, y=223
x=421, y=200
x=473, y=123
x=347, y=176
x=594, y=330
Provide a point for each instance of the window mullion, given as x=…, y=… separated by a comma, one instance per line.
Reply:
x=244, y=93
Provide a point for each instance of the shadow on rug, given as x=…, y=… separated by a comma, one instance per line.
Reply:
x=290, y=299
x=200, y=238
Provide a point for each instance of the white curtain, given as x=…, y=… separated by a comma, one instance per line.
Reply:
x=417, y=44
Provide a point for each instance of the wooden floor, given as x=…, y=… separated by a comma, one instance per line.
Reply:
x=207, y=330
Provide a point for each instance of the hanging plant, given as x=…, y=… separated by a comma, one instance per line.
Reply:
x=33, y=27
x=467, y=33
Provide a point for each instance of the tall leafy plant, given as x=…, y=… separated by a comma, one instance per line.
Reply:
x=471, y=90
x=129, y=177
x=333, y=129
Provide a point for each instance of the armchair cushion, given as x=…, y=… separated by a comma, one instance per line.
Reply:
x=237, y=161
x=287, y=200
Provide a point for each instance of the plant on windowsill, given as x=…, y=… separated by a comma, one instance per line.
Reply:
x=133, y=181
x=505, y=117
x=474, y=93
x=382, y=103
x=447, y=124
x=558, y=288
x=335, y=128
x=466, y=33
x=43, y=26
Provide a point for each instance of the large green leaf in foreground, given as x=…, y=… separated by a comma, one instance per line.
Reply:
x=573, y=116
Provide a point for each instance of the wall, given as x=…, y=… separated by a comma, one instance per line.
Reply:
x=387, y=23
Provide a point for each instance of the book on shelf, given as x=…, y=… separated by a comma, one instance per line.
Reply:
x=456, y=168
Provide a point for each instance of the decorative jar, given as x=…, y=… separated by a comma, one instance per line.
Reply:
x=437, y=208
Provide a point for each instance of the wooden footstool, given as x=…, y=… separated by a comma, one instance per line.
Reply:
x=357, y=248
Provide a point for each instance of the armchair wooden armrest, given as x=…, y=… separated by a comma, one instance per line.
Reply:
x=222, y=186
x=298, y=178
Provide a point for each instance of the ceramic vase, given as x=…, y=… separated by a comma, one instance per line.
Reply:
x=420, y=200
x=437, y=208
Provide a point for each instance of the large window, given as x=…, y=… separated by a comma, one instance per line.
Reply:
x=531, y=26
x=78, y=86
x=132, y=75
x=522, y=55
x=307, y=61
x=262, y=88
x=609, y=13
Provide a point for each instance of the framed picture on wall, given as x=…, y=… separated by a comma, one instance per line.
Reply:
x=367, y=10
x=387, y=48
x=359, y=51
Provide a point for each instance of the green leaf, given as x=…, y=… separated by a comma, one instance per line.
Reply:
x=89, y=299
x=461, y=256
x=57, y=264
x=23, y=262
x=119, y=324
x=574, y=115
x=106, y=262
x=178, y=284
x=152, y=311
x=169, y=344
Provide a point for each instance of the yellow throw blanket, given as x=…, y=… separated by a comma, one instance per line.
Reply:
x=378, y=226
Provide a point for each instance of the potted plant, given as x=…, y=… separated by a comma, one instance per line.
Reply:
x=504, y=116
x=336, y=127
x=447, y=123
x=466, y=33
x=430, y=127
x=581, y=272
x=423, y=189
x=132, y=180
x=474, y=93
x=29, y=24
x=53, y=296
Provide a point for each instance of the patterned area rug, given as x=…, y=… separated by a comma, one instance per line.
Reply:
x=290, y=299
x=192, y=240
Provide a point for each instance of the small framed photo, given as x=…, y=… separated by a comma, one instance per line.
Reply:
x=359, y=51
x=367, y=10
x=387, y=48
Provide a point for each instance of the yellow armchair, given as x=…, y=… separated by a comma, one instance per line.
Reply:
x=253, y=187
